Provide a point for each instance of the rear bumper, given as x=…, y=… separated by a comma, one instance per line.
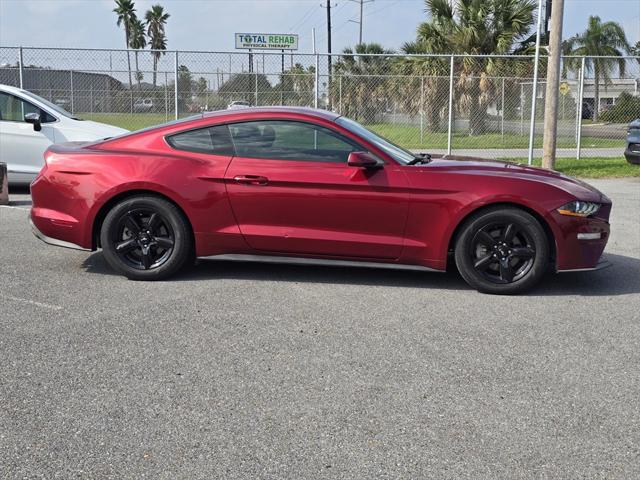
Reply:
x=54, y=241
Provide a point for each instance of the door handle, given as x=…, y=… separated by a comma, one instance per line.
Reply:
x=251, y=179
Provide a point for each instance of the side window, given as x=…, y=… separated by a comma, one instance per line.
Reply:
x=212, y=140
x=13, y=109
x=290, y=140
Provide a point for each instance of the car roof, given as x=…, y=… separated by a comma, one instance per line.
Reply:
x=243, y=114
x=311, y=112
x=10, y=88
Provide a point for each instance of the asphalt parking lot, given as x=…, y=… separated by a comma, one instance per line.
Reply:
x=238, y=370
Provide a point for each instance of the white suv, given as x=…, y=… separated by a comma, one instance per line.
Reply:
x=29, y=124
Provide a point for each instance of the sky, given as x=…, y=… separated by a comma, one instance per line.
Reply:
x=211, y=24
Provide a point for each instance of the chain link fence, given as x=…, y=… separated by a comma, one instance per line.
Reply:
x=472, y=105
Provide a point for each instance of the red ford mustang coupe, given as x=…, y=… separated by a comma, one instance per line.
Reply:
x=303, y=185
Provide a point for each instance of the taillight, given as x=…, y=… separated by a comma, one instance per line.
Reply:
x=48, y=154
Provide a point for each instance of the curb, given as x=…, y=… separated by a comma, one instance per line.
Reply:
x=4, y=185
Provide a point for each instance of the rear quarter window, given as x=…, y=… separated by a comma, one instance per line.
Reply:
x=212, y=140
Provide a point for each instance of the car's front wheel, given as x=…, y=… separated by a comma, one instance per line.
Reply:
x=502, y=250
x=146, y=238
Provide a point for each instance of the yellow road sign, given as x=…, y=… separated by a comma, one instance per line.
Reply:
x=564, y=88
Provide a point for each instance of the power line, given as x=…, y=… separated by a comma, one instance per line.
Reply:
x=304, y=19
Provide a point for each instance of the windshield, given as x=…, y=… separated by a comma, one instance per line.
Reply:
x=397, y=153
x=59, y=110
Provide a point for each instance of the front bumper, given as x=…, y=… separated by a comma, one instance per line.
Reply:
x=632, y=157
x=601, y=265
x=54, y=241
x=581, y=241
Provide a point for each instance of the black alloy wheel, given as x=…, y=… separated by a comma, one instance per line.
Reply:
x=502, y=250
x=143, y=239
x=146, y=238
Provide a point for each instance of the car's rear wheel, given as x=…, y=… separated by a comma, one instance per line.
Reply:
x=502, y=250
x=146, y=238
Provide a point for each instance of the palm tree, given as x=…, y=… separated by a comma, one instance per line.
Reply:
x=479, y=27
x=138, y=40
x=423, y=84
x=364, y=82
x=126, y=11
x=156, y=19
x=296, y=85
x=605, y=40
x=635, y=50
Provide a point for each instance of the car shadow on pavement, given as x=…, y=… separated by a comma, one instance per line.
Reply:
x=206, y=269
x=623, y=277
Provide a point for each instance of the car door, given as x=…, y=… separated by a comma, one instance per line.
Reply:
x=291, y=191
x=21, y=147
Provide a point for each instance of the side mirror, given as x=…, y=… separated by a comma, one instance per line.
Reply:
x=363, y=160
x=34, y=118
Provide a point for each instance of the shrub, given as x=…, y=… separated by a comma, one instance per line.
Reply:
x=626, y=109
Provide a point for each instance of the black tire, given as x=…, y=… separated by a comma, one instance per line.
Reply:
x=146, y=238
x=502, y=250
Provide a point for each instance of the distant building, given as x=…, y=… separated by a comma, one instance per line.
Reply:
x=609, y=92
x=72, y=90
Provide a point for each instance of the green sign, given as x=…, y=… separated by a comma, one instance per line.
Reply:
x=266, y=41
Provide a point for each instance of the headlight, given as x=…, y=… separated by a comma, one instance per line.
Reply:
x=578, y=208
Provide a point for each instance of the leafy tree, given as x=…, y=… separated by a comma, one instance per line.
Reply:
x=156, y=19
x=600, y=39
x=362, y=81
x=201, y=85
x=480, y=27
x=243, y=86
x=137, y=41
x=185, y=84
x=126, y=11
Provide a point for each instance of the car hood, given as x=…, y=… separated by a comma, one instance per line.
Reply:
x=481, y=166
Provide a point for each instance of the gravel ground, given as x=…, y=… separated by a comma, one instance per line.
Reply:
x=240, y=370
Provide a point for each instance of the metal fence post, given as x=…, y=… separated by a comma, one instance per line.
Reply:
x=166, y=98
x=21, y=67
x=71, y=86
x=580, y=94
x=450, y=124
x=340, y=94
x=316, y=82
x=421, y=110
x=521, y=109
x=175, y=88
x=536, y=61
x=502, y=119
x=255, y=93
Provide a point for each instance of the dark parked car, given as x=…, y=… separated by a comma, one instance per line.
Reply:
x=632, y=152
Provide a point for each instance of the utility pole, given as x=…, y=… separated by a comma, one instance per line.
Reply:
x=553, y=82
x=329, y=56
x=547, y=17
x=361, y=2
